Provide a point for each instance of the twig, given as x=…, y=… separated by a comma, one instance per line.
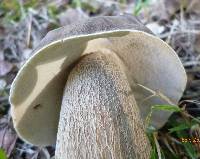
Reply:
x=157, y=145
x=158, y=94
x=29, y=31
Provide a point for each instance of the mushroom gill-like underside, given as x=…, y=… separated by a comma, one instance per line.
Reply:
x=99, y=116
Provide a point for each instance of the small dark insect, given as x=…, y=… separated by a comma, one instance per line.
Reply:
x=37, y=106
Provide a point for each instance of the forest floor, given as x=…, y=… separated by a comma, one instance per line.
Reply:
x=24, y=23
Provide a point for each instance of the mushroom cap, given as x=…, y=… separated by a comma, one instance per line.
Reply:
x=37, y=90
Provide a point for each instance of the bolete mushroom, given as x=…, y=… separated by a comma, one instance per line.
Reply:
x=82, y=84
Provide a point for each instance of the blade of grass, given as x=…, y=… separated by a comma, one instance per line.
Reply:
x=171, y=108
x=2, y=154
x=139, y=5
x=180, y=127
x=157, y=145
x=188, y=146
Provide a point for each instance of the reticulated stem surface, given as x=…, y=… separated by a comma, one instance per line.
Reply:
x=99, y=116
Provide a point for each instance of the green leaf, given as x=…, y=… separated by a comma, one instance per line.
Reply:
x=53, y=11
x=2, y=154
x=162, y=154
x=139, y=5
x=190, y=150
x=166, y=154
x=11, y=9
x=189, y=147
x=77, y=3
x=180, y=127
x=171, y=108
x=30, y=3
x=154, y=153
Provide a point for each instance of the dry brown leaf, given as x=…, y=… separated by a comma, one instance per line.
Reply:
x=163, y=10
x=71, y=15
x=194, y=7
x=197, y=44
x=5, y=67
x=158, y=11
x=7, y=136
x=1, y=56
x=2, y=31
x=174, y=5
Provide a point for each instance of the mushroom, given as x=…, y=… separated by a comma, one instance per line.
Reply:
x=81, y=89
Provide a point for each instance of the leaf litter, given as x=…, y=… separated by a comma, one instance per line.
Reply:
x=175, y=21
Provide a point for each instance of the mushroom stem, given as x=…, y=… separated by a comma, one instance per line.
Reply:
x=99, y=116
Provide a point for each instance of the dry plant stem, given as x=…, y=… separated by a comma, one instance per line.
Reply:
x=99, y=116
